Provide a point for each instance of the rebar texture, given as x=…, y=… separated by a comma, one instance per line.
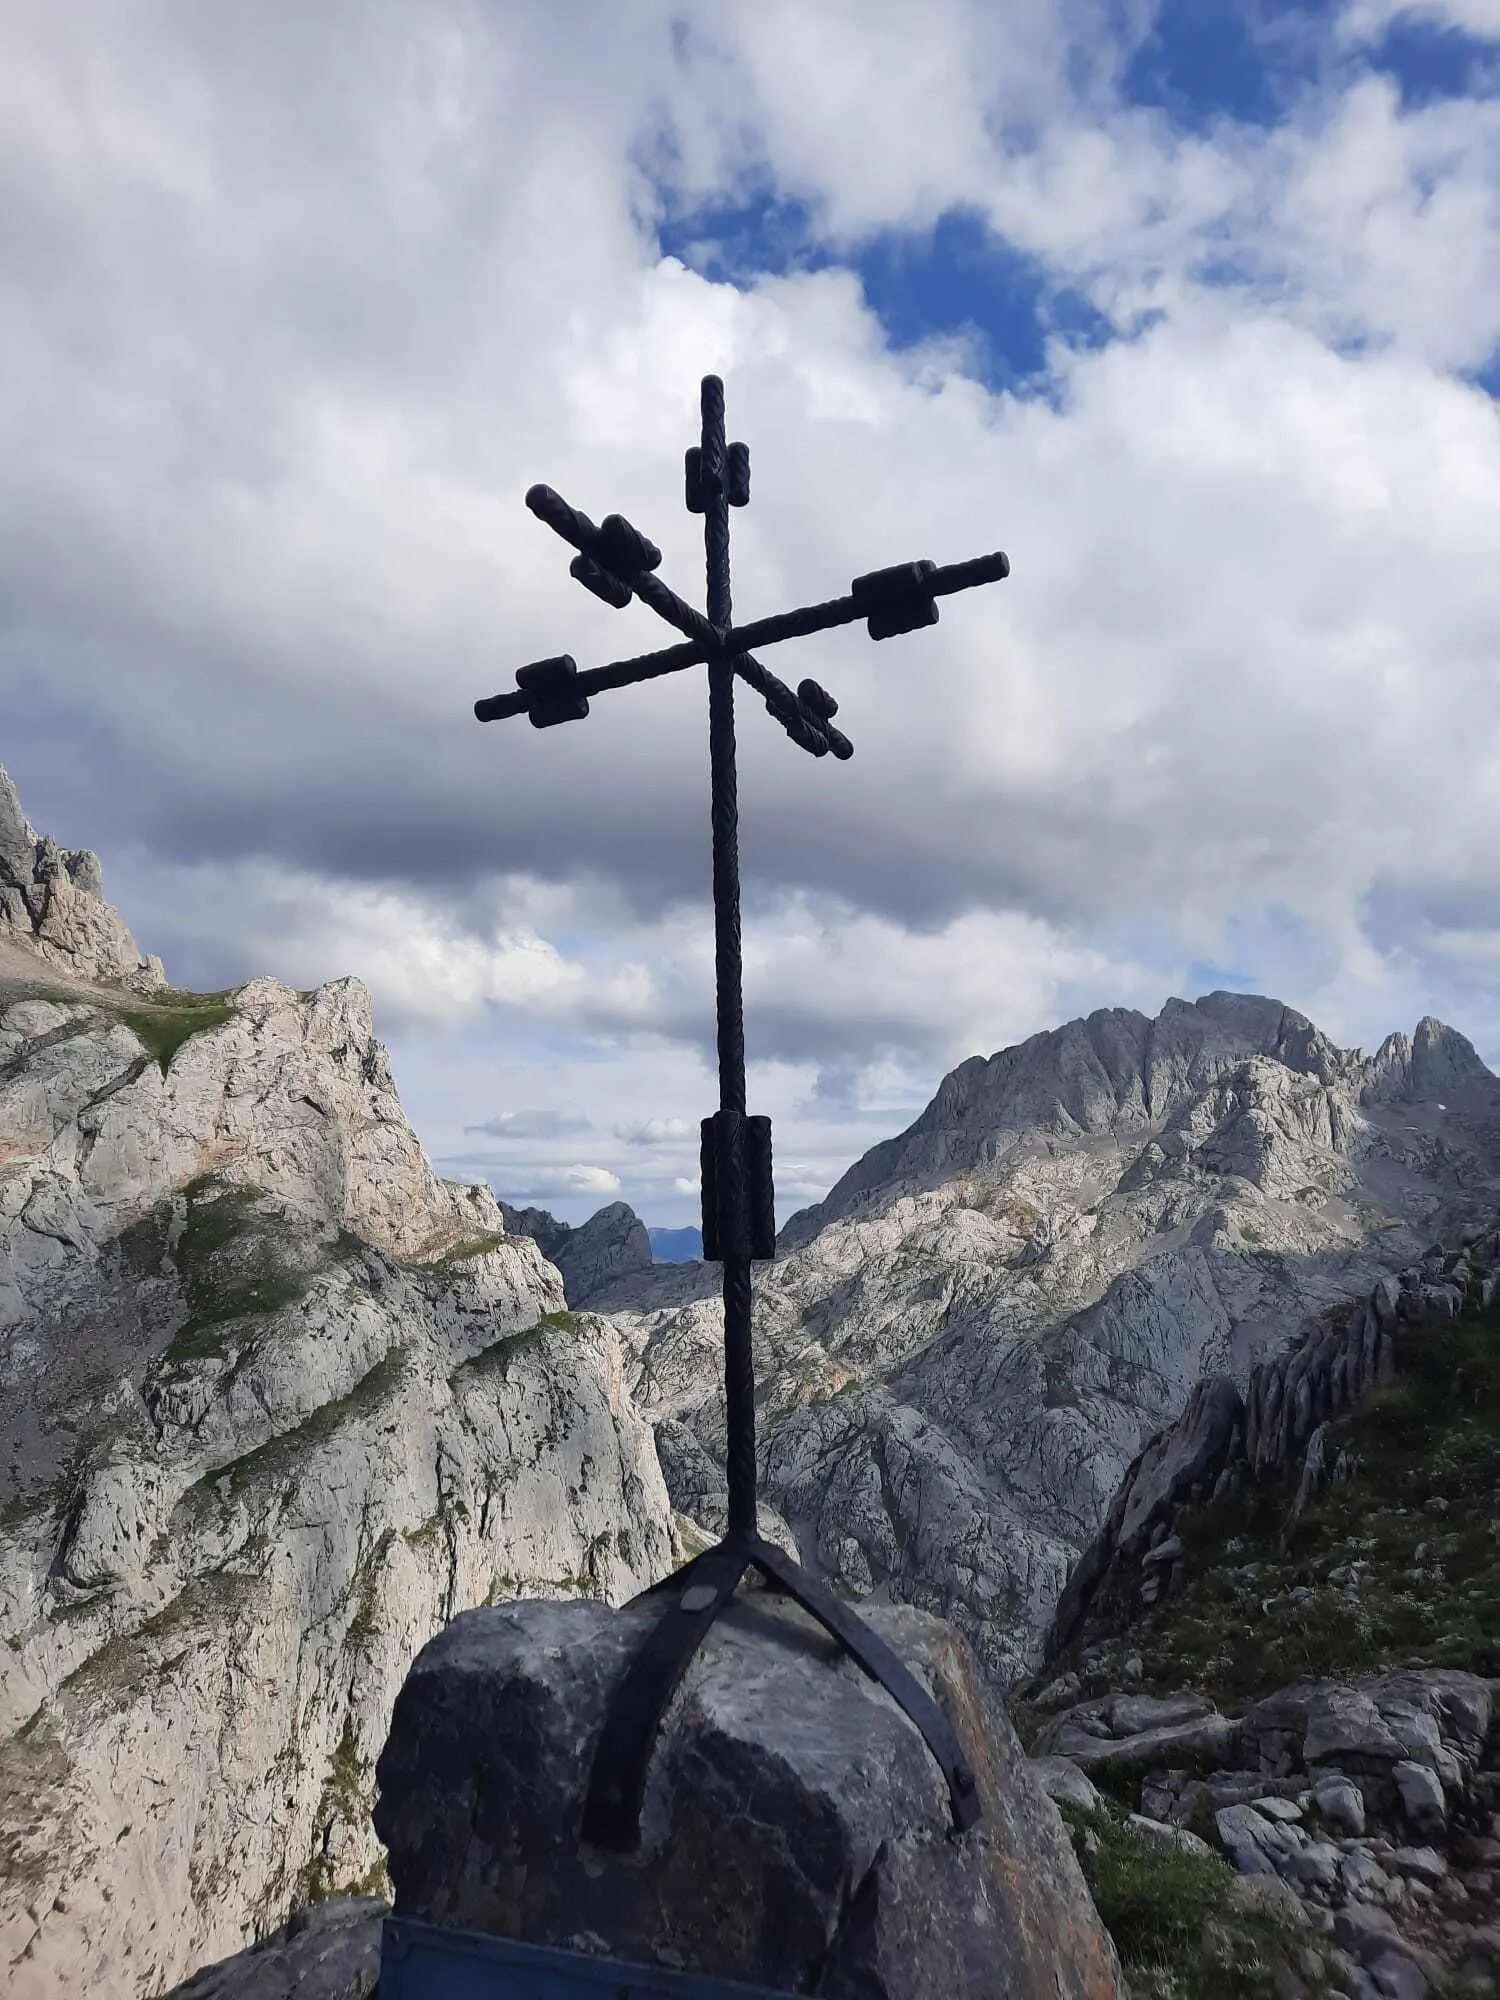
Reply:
x=616, y=563
x=739, y=1364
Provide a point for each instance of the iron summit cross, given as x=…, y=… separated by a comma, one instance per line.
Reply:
x=616, y=562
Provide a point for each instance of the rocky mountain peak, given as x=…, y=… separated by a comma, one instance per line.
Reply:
x=1113, y=1072
x=612, y=1244
x=1436, y=1063
x=52, y=905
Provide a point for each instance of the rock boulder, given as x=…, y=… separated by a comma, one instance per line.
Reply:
x=796, y=1833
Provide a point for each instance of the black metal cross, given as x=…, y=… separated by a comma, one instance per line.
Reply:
x=616, y=562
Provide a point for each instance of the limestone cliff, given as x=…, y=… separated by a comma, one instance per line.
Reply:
x=613, y=1244
x=962, y=1349
x=52, y=901
x=275, y=1402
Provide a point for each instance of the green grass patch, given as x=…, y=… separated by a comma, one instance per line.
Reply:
x=458, y=1253
x=366, y=1592
x=231, y=1260
x=280, y=1455
x=162, y=1023
x=497, y=1358
x=121, y=1666
x=1178, y=1935
x=347, y=1796
x=1259, y=1602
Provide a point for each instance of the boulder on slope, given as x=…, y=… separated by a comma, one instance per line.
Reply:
x=796, y=1832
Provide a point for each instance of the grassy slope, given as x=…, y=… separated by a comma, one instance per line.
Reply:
x=1263, y=1598
x=1398, y=1565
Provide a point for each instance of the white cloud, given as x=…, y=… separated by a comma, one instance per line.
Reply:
x=656, y=1132
x=538, y=1122
x=590, y=1182
x=281, y=362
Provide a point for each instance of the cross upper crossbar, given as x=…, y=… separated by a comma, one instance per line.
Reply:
x=920, y=580
x=616, y=562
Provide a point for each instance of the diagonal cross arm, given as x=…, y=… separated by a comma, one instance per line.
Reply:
x=616, y=562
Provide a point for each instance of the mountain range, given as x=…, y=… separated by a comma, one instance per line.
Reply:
x=276, y=1400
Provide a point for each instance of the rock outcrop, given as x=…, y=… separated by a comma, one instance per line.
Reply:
x=1368, y=1807
x=964, y=1347
x=544, y=1229
x=613, y=1244
x=1224, y=1438
x=327, y=1951
x=796, y=1833
x=52, y=903
x=1362, y=1556
x=275, y=1402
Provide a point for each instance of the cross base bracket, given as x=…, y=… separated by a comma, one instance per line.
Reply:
x=695, y=1595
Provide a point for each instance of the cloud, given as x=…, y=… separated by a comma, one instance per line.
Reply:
x=574, y=1181
x=288, y=337
x=1366, y=20
x=657, y=1132
x=539, y=1122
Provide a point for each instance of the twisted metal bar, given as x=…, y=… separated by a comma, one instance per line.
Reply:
x=617, y=562
x=805, y=729
x=943, y=582
x=739, y=1365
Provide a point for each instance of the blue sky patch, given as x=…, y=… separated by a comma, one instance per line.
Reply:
x=1246, y=62
x=1430, y=62
x=955, y=278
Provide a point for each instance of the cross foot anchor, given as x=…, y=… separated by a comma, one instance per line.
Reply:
x=616, y=562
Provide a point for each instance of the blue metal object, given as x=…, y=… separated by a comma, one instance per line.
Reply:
x=425, y=1962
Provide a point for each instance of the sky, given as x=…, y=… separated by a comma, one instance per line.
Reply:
x=1191, y=307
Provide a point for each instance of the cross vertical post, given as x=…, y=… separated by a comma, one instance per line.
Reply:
x=616, y=562
x=739, y=1367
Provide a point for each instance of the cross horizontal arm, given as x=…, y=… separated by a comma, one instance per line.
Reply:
x=810, y=731
x=941, y=582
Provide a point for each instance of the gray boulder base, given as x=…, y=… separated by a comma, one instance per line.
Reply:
x=796, y=1833
x=328, y=1951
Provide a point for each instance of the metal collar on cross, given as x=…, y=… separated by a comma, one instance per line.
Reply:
x=616, y=562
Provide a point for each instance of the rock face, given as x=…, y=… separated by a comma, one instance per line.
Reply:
x=52, y=902
x=1223, y=1439
x=328, y=1951
x=963, y=1348
x=544, y=1229
x=796, y=1833
x=613, y=1244
x=1363, y=1797
x=275, y=1402
x=1367, y=1806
